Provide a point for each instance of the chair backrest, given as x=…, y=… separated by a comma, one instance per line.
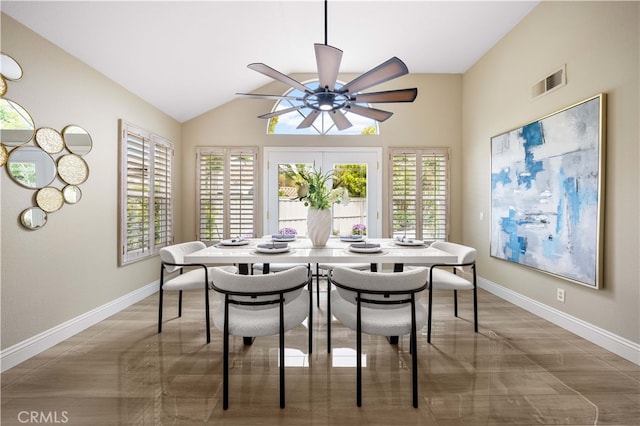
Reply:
x=175, y=253
x=400, y=283
x=465, y=254
x=257, y=289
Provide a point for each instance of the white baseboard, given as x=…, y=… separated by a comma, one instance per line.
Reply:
x=618, y=345
x=26, y=349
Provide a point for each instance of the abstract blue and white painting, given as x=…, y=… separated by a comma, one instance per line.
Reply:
x=546, y=193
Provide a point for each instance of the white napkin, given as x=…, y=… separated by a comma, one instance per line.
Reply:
x=283, y=236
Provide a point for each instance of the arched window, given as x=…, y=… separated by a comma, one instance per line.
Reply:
x=286, y=124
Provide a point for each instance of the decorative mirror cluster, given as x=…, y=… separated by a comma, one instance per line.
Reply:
x=52, y=154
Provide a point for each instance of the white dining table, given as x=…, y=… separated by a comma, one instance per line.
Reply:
x=336, y=251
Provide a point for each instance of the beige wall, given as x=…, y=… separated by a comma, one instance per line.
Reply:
x=69, y=267
x=599, y=43
x=434, y=119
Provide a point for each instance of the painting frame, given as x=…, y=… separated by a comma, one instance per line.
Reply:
x=547, y=193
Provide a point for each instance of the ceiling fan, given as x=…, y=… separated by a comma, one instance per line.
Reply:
x=335, y=99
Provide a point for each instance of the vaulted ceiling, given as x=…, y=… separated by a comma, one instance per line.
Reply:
x=188, y=57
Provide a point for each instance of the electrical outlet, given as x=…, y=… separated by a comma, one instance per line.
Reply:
x=561, y=295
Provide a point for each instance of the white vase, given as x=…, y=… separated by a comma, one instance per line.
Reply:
x=319, y=226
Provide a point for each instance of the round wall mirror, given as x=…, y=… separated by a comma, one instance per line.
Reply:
x=4, y=155
x=77, y=139
x=49, y=140
x=16, y=125
x=72, y=194
x=33, y=218
x=72, y=169
x=9, y=67
x=49, y=199
x=3, y=86
x=31, y=167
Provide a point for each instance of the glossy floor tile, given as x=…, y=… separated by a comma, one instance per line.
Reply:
x=518, y=370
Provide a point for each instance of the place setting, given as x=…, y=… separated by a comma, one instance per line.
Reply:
x=365, y=247
x=273, y=247
x=283, y=237
x=351, y=238
x=233, y=242
x=405, y=241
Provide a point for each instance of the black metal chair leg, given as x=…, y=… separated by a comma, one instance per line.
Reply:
x=318, y=285
x=161, y=294
x=281, y=351
x=206, y=312
x=328, y=316
x=475, y=300
x=429, y=315
x=359, y=355
x=180, y=304
x=414, y=352
x=225, y=357
x=310, y=321
x=455, y=303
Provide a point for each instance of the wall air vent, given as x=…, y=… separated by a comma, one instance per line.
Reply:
x=553, y=81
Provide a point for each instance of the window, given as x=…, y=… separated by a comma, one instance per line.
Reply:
x=359, y=170
x=146, y=210
x=226, y=192
x=419, y=193
x=286, y=124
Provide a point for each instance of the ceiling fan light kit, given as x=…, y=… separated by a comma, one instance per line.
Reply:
x=337, y=100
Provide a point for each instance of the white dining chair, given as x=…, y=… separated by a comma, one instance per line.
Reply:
x=451, y=276
x=379, y=303
x=177, y=275
x=326, y=269
x=262, y=305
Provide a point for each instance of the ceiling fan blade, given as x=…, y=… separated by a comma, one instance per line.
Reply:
x=376, y=114
x=281, y=112
x=339, y=119
x=386, y=71
x=402, y=95
x=309, y=119
x=260, y=96
x=277, y=75
x=328, y=60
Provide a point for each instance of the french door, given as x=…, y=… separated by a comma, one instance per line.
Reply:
x=359, y=170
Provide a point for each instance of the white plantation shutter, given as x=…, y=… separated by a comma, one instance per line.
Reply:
x=403, y=199
x=226, y=192
x=434, y=196
x=146, y=213
x=136, y=229
x=419, y=193
x=163, y=214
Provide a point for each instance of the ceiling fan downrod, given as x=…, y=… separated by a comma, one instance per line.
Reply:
x=325, y=23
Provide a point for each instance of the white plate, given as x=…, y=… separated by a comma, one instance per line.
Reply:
x=409, y=243
x=352, y=239
x=272, y=250
x=365, y=250
x=234, y=242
